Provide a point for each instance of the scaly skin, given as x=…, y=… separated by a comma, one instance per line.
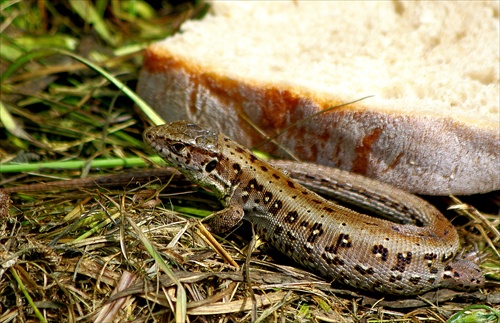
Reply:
x=338, y=243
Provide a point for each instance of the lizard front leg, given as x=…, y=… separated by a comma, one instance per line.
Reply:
x=225, y=219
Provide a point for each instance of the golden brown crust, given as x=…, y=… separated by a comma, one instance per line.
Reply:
x=424, y=154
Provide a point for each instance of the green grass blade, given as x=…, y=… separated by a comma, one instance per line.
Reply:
x=78, y=164
x=145, y=108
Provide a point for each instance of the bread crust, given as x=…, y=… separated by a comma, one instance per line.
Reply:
x=424, y=154
x=432, y=126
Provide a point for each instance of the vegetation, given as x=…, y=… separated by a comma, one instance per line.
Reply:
x=129, y=253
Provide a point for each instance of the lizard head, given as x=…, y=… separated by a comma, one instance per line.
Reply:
x=194, y=151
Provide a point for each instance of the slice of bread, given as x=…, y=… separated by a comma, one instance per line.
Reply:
x=431, y=127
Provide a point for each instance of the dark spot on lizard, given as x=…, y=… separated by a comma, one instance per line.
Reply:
x=382, y=251
x=253, y=185
x=290, y=184
x=291, y=236
x=415, y=280
x=402, y=261
x=267, y=197
x=363, y=271
x=430, y=256
x=316, y=231
x=291, y=217
x=279, y=230
x=327, y=209
x=310, y=177
x=343, y=277
x=276, y=176
x=331, y=249
x=342, y=242
x=276, y=207
x=263, y=168
x=337, y=261
x=395, y=278
x=446, y=258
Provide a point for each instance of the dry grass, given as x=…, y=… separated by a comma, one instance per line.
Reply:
x=129, y=253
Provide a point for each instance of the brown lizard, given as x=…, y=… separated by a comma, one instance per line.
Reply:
x=343, y=245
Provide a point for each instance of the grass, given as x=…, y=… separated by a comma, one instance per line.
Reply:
x=133, y=253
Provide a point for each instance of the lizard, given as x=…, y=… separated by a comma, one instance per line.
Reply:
x=408, y=258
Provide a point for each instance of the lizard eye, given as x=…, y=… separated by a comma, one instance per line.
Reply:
x=178, y=148
x=211, y=166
